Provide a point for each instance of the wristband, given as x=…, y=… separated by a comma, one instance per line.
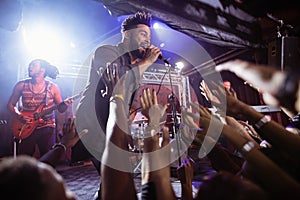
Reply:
x=247, y=147
x=265, y=119
x=151, y=127
x=62, y=107
x=116, y=96
x=59, y=145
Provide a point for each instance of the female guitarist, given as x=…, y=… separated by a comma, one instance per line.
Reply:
x=34, y=120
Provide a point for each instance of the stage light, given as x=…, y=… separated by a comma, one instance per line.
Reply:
x=46, y=43
x=179, y=65
x=72, y=45
x=156, y=25
x=162, y=45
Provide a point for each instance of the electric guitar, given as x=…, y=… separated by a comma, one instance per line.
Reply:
x=23, y=128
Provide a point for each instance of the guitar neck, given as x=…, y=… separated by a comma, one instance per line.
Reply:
x=51, y=109
x=48, y=110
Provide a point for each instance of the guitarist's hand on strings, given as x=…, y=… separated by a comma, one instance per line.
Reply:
x=62, y=107
x=68, y=101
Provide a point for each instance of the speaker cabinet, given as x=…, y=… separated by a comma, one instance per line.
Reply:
x=284, y=53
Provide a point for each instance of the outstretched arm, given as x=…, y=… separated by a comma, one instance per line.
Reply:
x=156, y=157
x=115, y=164
x=280, y=88
x=68, y=140
x=185, y=174
x=263, y=169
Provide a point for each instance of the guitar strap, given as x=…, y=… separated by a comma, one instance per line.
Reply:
x=47, y=92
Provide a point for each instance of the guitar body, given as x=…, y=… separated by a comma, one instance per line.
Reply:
x=22, y=129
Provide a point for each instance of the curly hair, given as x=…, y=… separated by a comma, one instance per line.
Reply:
x=51, y=70
x=131, y=22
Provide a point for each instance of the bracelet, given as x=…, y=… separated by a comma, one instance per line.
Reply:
x=151, y=127
x=60, y=145
x=62, y=106
x=265, y=119
x=116, y=96
x=247, y=147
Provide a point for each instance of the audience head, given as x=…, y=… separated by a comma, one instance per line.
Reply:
x=224, y=185
x=25, y=177
x=227, y=84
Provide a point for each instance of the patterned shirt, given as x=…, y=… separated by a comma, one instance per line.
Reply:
x=32, y=101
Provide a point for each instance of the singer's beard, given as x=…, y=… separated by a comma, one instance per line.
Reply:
x=139, y=53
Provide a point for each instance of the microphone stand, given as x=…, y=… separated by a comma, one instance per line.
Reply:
x=174, y=114
x=282, y=28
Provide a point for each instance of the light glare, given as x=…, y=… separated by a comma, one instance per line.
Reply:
x=45, y=43
x=179, y=65
x=156, y=25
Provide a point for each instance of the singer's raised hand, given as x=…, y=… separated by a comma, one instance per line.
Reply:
x=152, y=54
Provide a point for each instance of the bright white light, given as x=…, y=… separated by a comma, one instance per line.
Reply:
x=179, y=65
x=162, y=45
x=156, y=25
x=72, y=44
x=42, y=42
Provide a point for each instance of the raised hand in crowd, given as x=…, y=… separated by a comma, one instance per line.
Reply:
x=115, y=164
x=69, y=138
x=220, y=159
x=269, y=130
x=205, y=91
x=156, y=157
x=185, y=174
x=281, y=88
x=207, y=140
x=110, y=77
x=151, y=109
x=258, y=164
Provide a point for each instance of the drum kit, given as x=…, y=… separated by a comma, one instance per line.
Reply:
x=138, y=127
x=139, y=124
x=137, y=132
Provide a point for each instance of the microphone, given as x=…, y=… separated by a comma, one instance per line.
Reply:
x=163, y=59
x=160, y=57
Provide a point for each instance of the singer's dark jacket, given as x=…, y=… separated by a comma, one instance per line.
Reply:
x=93, y=109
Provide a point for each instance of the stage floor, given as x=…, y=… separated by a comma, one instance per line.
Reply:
x=84, y=179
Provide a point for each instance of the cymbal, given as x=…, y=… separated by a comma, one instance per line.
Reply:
x=140, y=121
